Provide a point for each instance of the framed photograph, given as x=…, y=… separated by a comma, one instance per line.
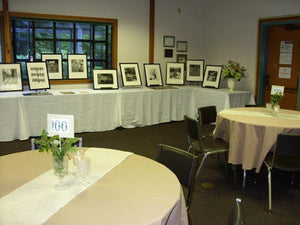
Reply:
x=105, y=79
x=37, y=75
x=54, y=65
x=182, y=58
x=10, y=77
x=175, y=73
x=169, y=41
x=181, y=46
x=212, y=76
x=130, y=74
x=168, y=53
x=77, y=66
x=153, y=74
x=194, y=70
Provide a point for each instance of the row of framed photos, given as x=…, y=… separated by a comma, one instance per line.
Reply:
x=39, y=74
x=175, y=75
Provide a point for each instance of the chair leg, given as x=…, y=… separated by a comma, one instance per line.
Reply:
x=201, y=165
x=244, y=178
x=270, y=191
x=234, y=176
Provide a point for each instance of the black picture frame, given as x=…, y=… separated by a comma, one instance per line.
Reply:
x=38, y=78
x=212, y=76
x=10, y=77
x=153, y=75
x=175, y=73
x=105, y=79
x=169, y=41
x=181, y=46
x=130, y=74
x=54, y=65
x=77, y=66
x=194, y=69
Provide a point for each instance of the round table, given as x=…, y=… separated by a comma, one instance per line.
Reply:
x=137, y=191
x=252, y=131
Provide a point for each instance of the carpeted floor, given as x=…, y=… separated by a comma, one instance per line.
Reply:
x=214, y=193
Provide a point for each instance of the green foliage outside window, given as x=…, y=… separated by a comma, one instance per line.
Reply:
x=31, y=38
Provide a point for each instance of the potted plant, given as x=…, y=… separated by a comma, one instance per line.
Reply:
x=233, y=71
x=60, y=148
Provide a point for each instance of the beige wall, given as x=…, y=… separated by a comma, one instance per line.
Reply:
x=216, y=30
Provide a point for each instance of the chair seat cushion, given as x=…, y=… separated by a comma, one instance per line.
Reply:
x=210, y=144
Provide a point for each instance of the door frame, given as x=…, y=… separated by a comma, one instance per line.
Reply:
x=264, y=24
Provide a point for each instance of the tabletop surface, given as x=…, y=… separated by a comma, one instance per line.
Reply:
x=137, y=191
x=252, y=132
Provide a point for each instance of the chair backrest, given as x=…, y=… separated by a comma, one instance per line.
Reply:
x=35, y=146
x=207, y=114
x=191, y=126
x=236, y=217
x=182, y=163
x=287, y=145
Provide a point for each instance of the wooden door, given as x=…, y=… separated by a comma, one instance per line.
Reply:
x=283, y=62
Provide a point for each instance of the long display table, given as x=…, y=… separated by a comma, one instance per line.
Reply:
x=101, y=110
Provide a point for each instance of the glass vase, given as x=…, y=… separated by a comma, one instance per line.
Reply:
x=60, y=169
x=231, y=84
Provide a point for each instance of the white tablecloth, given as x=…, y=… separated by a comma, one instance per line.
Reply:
x=100, y=110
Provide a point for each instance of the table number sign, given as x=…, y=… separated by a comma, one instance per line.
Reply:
x=277, y=90
x=62, y=125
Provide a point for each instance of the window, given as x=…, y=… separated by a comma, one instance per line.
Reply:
x=32, y=37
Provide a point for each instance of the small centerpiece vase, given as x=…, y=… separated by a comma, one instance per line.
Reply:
x=60, y=169
x=231, y=84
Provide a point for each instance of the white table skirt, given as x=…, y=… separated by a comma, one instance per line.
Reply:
x=101, y=110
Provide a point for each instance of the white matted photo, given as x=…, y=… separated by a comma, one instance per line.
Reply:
x=130, y=74
x=153, y=74
x=105, y=79
x=10, y=77
x=77, y=66
x=212, y=76
x=194, y=70
x=37, y=75
x=175, y=73
x=54, y=65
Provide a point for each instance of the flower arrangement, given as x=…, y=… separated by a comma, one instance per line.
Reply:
x=233, y=70
x=58, y=146
x=275, y=98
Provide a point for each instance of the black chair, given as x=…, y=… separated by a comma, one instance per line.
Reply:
x=34, y=146
x=207, y=145
x=237, y=215
x=183, y=165
x=284, y=157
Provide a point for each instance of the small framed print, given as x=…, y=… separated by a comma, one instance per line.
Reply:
x=175, y=73
x=182, y=58
x=169, y=41
x=153, y=74
x=212, y=76
x=194, y=70
x=168, y=53
x=54, y=65
x=181, y=46
x=10, y=77
x=37, y=75
x=130, y=74
x=77, y=66
x=105, y=79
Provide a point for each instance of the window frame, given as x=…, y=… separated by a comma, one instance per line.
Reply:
x=78, y=19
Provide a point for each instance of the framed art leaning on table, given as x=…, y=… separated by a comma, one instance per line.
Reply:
x=10, y=77
x=37, y=75
x=212, y=76
x=130, y=74
x=105, y=79
x=153, y=74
